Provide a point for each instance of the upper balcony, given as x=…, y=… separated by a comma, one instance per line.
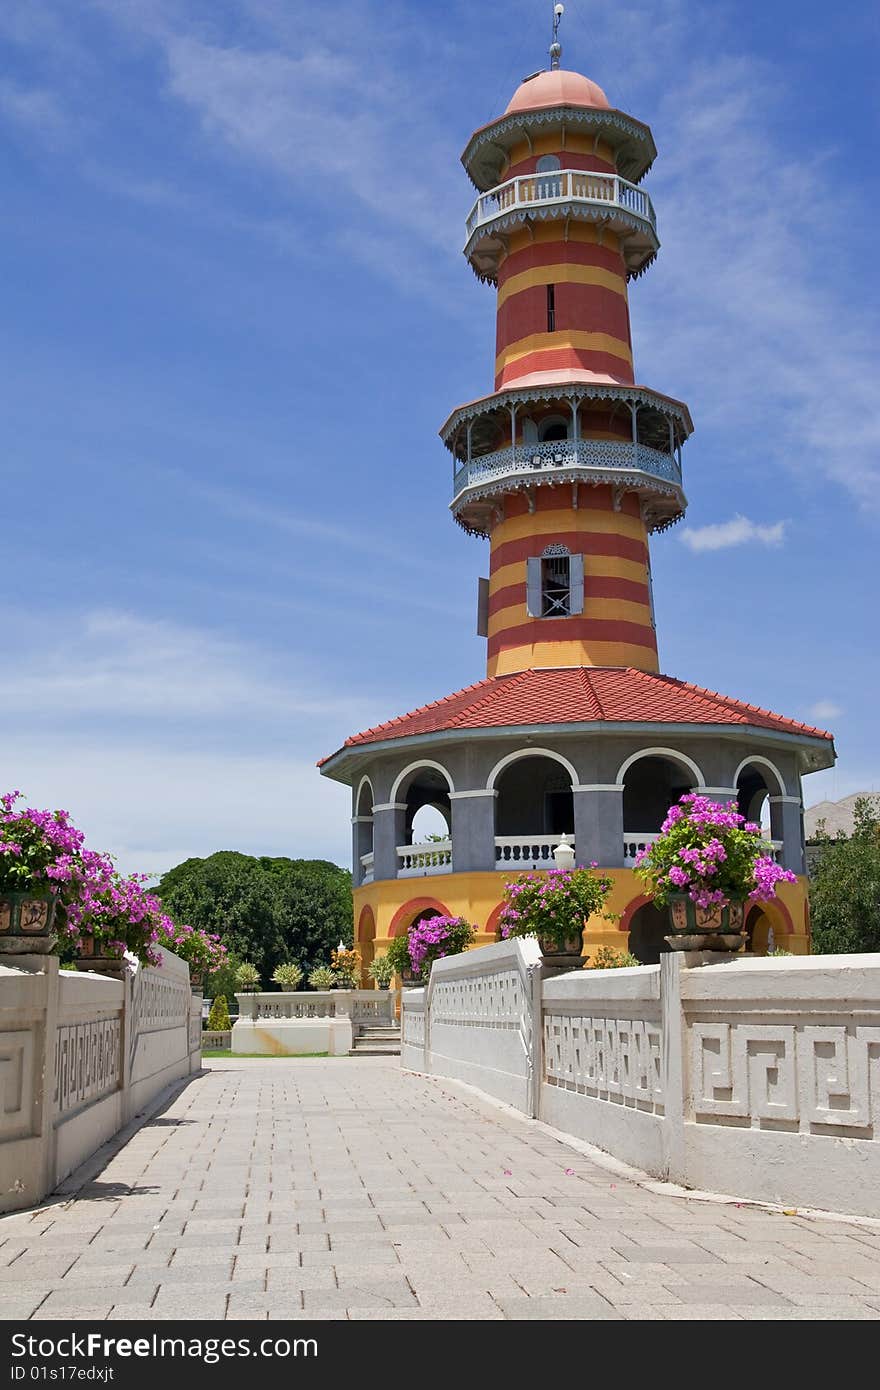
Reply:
x=563, y=193
x=633, y=466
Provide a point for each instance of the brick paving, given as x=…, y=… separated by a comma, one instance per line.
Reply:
x=348, y=1189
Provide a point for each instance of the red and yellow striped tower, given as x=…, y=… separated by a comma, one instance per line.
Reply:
x=569, y=465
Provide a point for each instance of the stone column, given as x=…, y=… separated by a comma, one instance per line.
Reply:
x=473, y=831
x=598, y=825
x=720, y=795
x=389, y=830
x=785, y=825
x=359, y=845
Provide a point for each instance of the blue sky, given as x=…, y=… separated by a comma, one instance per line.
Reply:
x=235, y=312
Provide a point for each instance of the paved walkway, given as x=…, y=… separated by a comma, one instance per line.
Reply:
x=346, y=1189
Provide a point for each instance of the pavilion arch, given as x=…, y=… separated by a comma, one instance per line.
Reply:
x=364, y=807
x=530, y=753
x=671, y=754
x=416, y=767
x=407, y=914
x=761, y=762
x=365, y=941
x=363, y=828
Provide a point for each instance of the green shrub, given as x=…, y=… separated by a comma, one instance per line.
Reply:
x=218, y=1018
x=322, y=977
x=607, y=958
x=288, y=976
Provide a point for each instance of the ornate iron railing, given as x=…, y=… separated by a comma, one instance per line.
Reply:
x=592, y=455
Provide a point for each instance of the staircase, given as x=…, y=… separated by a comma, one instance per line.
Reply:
x=377, y=1040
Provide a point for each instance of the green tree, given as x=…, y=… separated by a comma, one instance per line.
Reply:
x=218, y=1018
x=845, y=891
x=265, y=910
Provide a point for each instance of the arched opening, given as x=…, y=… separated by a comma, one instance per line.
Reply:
x=760, y=935
x=365, y=943
x=648, y=927
x=650, y=786
x=554, y=427
x=364, y=832
x=755, y=784
x=426, y=846
x=534, y=808
x=548, y=164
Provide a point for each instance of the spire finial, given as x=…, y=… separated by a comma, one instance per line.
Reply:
x=556, y=46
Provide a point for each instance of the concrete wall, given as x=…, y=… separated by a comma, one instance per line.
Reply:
x=80, y=1055
x=758, y=1077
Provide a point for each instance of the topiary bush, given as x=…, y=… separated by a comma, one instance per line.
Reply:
x=218, y=1018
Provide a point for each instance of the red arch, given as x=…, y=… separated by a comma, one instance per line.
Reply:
x=366, y=924
x=493, y=925
x=404, y=915
x=632, y=908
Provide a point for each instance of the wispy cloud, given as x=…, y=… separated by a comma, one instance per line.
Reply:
x=825, y=709
x=721, y=535
x=38, y=110
x=120, y=665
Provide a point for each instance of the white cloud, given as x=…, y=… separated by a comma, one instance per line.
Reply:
x=740, y=530
x=825, y=709
x=152, y=807
x=121, y=665
x=37, y=110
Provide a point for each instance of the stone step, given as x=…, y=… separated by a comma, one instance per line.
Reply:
x=374, y=1051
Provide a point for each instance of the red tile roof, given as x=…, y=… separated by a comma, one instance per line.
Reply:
x=578, y=695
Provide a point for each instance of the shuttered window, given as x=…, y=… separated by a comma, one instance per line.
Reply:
x=555, y=586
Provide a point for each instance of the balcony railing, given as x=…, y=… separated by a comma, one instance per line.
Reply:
x=592, y=455
x=634, y=841
x=417, y=861
x=367, y=868
x=526, y=851
x=561, y=186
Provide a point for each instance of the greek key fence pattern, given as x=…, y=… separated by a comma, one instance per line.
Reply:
x=612, y=1059
x=806, y=1077
x=87, y=1062
x=498, y=1000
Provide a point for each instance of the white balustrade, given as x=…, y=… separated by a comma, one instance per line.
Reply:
x=367, y=868
x=585, y=457
x=634, y=841
x=526, y=851
x=417, y=861
x=563, y=185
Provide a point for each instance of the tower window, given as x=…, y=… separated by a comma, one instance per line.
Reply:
x=551, y=308
x=556, y=586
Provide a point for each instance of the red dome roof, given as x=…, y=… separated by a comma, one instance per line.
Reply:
x=557, y=88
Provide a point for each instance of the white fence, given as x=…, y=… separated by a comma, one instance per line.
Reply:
x=80, y=1056
x=759, y=1077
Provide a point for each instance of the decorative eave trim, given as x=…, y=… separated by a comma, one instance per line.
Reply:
x=631, y=479
x=335, y=765
x=575, y=208
x=589, y=116
x=568, y=391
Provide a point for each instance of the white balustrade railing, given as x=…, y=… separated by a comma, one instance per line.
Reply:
x=563, y=185
x=634, y=841
x=417, y=861
x=613, y=456
x=367, y=868
x=526, y=851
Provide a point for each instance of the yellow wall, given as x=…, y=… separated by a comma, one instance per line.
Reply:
x=475, y=897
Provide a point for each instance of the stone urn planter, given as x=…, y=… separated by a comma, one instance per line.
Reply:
x=89, y=957
x=196, y=979
x=566, y=955
x=713, y=928
x=27, y=922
